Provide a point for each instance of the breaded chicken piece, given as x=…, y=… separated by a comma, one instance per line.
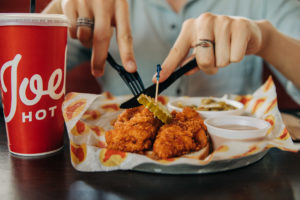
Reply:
x=134, y=130
x=185, y=133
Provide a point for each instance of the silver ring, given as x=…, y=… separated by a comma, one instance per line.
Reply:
x=205, y=43
x=83, y=21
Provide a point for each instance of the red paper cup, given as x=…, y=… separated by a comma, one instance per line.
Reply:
x=32, y=64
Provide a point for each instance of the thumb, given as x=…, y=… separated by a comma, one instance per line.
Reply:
x=54, y=7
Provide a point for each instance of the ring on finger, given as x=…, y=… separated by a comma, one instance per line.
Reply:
x=205, y=43
x=84, y=21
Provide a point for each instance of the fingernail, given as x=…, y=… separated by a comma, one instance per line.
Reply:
x=97, y=72
x=131, y=66
x=154, y=78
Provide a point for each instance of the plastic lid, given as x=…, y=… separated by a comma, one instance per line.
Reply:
x=32, y=19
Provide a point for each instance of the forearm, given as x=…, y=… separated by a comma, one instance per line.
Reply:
x=281, y=51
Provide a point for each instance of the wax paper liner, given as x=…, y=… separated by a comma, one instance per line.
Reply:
x=89, y=116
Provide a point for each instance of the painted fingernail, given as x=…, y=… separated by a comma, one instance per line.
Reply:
x=131, y=66
x=97, y=72
x=154, y=78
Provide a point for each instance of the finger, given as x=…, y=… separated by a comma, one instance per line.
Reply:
x=54, y=7
x=206, y=60
x=193, y=71
x=239, y=40
x=178, y=52
x=69, y=9
x=205, y=54
x=84, y=33
x=124, y=37
x=188, y=59
x=222, y=40
x=101, y=36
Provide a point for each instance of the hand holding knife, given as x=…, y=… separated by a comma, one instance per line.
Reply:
x=150, y=91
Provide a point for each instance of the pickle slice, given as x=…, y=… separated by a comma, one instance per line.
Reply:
x=157, y=108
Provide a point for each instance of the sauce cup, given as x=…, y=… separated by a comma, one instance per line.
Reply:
x=240, y=128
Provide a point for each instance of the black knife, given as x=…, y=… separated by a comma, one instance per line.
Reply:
x=150, y=91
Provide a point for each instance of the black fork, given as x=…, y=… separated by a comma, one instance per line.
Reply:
x=132, y=80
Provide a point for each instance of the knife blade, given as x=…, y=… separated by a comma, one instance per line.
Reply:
x=150, y=91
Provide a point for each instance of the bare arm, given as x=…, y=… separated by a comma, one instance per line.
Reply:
x=233, y=38
x=107, y=14
x=281, y=51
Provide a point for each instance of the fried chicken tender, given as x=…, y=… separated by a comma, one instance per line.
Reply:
x=185, y=133
x=134, y=130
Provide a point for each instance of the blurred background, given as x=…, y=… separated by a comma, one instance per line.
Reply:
x=21, y=5
x=81, y=74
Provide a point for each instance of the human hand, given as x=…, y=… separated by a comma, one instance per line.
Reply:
x=106, y=15
x=217, y=41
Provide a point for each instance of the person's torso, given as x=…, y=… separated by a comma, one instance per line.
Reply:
x=155, y=27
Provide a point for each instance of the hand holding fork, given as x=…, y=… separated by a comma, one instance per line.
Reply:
x=132, y=80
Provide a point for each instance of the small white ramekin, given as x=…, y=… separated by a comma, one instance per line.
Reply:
x=222, y=135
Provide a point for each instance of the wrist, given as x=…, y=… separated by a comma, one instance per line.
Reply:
x=268, y=33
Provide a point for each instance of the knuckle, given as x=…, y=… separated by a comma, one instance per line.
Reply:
x=86, y=2
x=127, y=37
x=206, y=16
x=72, y=33
x=126, y=55
x=224, y=18
x=84, y=34
x=187, y=23
x=205, y=63
x=67, y=3
x=176, y=51
x=242, y=23
x=101, y=36
x=225, y=21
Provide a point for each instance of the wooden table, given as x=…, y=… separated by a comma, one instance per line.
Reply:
x=276, y=176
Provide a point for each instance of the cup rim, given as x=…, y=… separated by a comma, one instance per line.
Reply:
x=33, y=19
x=238, y=134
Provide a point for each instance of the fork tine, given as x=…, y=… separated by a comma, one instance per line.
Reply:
x=136, y=92
x=140, y=82
x=140, y=88
x=132, y=82
x=135, y=83
x=127, y=82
